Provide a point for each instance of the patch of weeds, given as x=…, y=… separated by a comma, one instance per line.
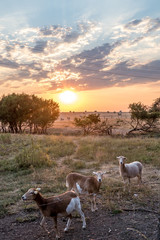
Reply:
x=68, y=161
x=58, y=147
x=60, y=178
x=74, y=164
x=95, y=165
x=77, y=165
x=116, y=211
x=23, y=172
x=29, y=207
x=3, y=211
x=147, y=159
x=8, y=165
x=5, y=203
x=29, y=218
x=32, y=156
x=86, y=151
x=5, y=138
x=111, y=205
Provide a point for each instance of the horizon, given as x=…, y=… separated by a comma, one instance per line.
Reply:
x=106, y=53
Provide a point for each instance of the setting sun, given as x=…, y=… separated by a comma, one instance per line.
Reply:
x=68, y=97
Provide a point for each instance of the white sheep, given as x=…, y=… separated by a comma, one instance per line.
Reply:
x=64, y=204
x=130, y=170
x=87, y=185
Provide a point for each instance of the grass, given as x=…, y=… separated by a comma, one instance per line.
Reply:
x=33, y=156
x=44, y=161
x=74, y=165
x=106, y=149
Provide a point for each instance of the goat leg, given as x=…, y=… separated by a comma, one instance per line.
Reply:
x=42, y=224
x=56, y=229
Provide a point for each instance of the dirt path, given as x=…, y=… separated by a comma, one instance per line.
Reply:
x=100, y=225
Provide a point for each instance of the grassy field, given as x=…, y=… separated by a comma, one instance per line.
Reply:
x=44, y=161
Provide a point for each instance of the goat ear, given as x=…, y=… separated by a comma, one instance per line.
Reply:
x=37, y=190
x=94, y=173
x=104, y=172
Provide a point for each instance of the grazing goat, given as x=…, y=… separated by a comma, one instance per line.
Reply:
x=65, y=204
x=87, y=185
x=130, y=170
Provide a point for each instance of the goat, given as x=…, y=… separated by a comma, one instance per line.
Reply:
x=130, y=170
x=87, y=185
x=64, y=204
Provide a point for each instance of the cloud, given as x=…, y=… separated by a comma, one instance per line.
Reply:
x=39, y=47
x=133, y=23
x=8, y=63
x=59, y=57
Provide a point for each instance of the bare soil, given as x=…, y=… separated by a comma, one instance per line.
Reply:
x=102, y=224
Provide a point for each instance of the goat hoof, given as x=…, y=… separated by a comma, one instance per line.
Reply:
x=65, y=230
x=84, y=227
x=57, y=237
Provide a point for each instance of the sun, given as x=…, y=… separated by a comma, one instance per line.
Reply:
x=68, y=97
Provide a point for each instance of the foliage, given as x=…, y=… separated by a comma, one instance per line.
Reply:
x=93, y=124
x=156, y=105
x=143, y=118
x=44, y=113
x=20, y=111
x=87, y=123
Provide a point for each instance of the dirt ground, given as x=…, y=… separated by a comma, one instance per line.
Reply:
x=130, y=225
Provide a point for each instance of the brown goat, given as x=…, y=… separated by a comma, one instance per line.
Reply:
x=64, y=204
x=87, y=185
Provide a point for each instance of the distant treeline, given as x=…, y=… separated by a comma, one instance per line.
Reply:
x=21, y=112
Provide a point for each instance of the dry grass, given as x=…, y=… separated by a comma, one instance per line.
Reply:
x=82, y=154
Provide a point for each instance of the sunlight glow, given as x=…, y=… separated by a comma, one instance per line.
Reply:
x=67, y=97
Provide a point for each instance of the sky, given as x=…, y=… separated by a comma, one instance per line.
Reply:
x=107, y=52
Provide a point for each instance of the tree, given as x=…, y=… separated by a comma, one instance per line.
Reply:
x=156, y=105
x=44, y=114
x=14, y=110
x=92, y=124
x=87, y=123
x=19, y=111
x=143, y=118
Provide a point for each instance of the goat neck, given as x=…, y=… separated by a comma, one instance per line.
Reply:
x=122, y=167
x=98, y=184
x=41, y=201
